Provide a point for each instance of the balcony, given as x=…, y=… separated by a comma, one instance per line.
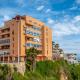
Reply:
x=29, y=38
x=32, y=33
x=37, y=46
x=34, y=28
x=4, y=47
x=4, y=33
x=5, y=36
x=33, y=40
x=33, y=36
x=3, y=30
x=29, y=35
x=4, y=52
x=4, y=42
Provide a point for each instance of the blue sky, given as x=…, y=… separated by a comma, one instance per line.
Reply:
x=63, y=16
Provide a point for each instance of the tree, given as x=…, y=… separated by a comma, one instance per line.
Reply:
x=31, y=58
x=57, y=46
x=5, y=72
x=53, y=44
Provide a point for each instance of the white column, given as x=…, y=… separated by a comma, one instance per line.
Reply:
x=3, y=57
x=18, y=44
x=8, y=58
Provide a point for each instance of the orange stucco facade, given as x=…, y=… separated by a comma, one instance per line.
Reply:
x=21, y=33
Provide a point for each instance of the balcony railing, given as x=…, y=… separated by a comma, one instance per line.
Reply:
x=4, y=30
x=4, y=36
x=4, y=47
x=4, y=41
x=4, y=33
x=39, y=46
x=4, y=52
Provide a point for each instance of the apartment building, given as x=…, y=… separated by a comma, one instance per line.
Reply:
x=71, y=57
x=21, y=33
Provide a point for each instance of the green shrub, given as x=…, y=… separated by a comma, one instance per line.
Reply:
x=48, y=69
x=18, y=76
x=33, y=76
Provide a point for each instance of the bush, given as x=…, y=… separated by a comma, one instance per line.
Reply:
x=33, y=76
x=48, y=69
x=5, y=72
x=18, y=76
x=45, y=70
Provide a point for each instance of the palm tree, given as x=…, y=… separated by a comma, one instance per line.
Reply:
x=31, y=57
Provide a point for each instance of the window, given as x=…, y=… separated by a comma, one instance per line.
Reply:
x=13, y=51
x=8, y=29
x=13, y=32
x=33, y=45
x=39, y=24
x=31, y=33
x=4, y=41
x=47, y=51
x=38, y=34
x=30, y=21
x=2, y=36
x=36, y=39
x=13, y=24
x=16, y=59
x=27, y=31
x=8, y=35
x=34, y=34
x=35, y=22
x=28, y=44
x=13, y=45
x=37, y=45
x=13, y=39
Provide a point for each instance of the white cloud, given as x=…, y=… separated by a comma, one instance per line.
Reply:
x=74, y=8
x=50, y=21
x=6, y=17
x=78, y=1
x=71, y=45
x=8, y=11
x=2, y=24
x=21, y=3
x=55, y=12
x=77, y=18
x=40, y=8
x=48, y=10
x=66, y=27
x=61, y=29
